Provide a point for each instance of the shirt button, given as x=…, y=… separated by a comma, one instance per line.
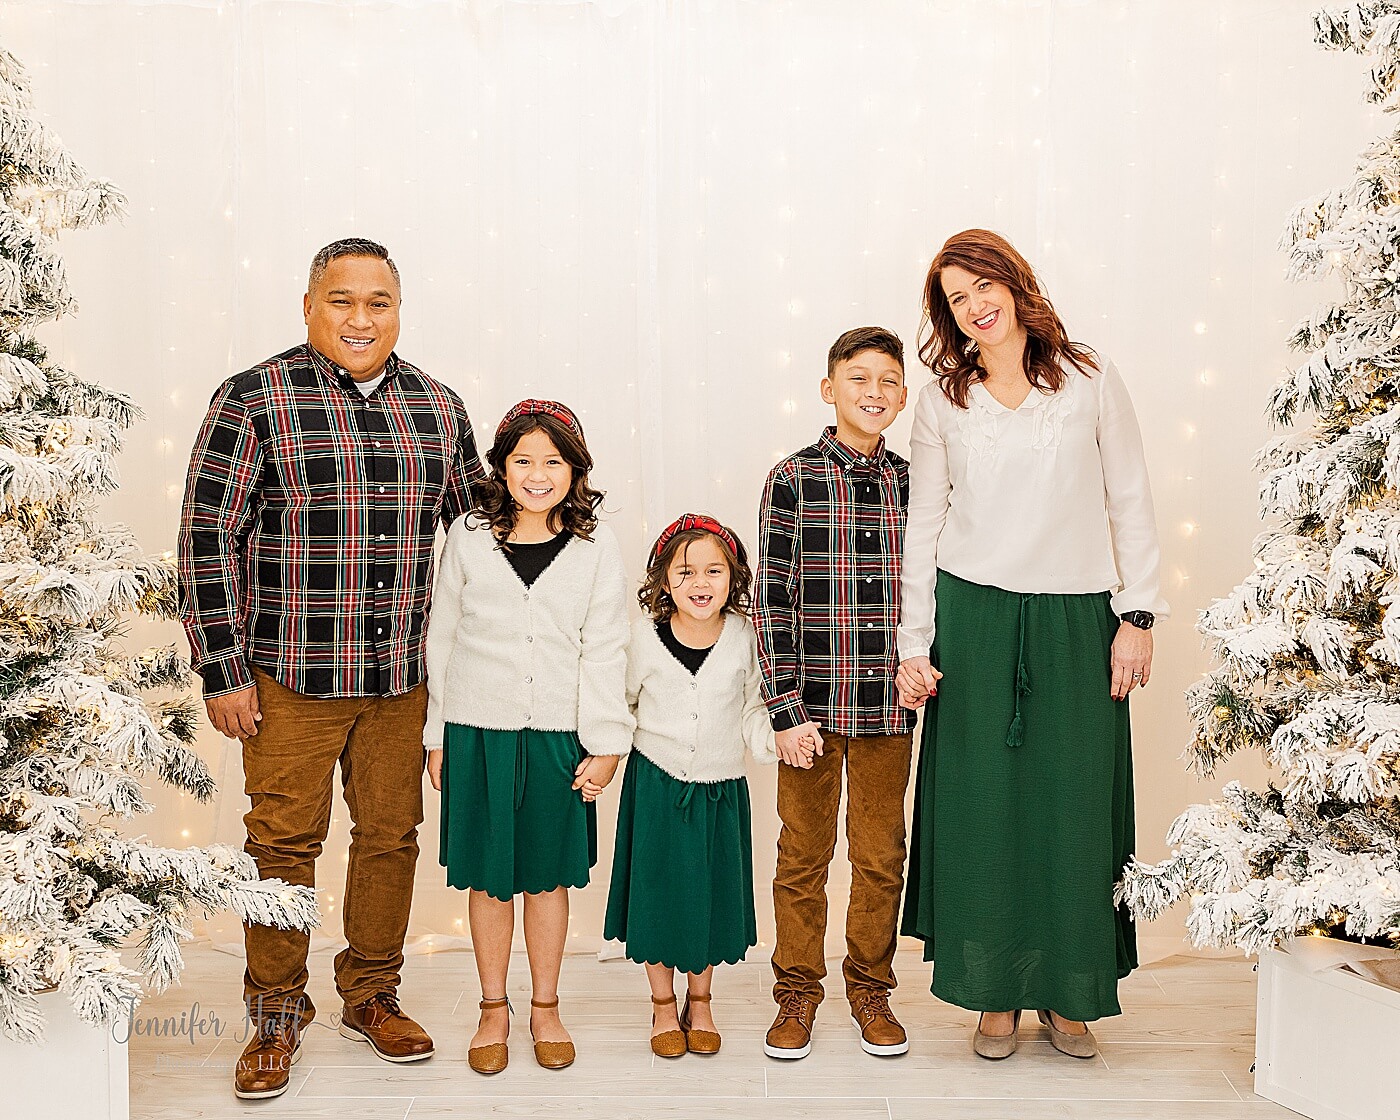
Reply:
x=379, y=584
x=379, y=629
x=870, y=626
x=694, y=715
x=693, y=686
x=381, y=489
x=378, y=444
x=869, y=579
x=381, y=536
x=870, y=672
x=527, y=594
x=529, y=637
x=692, y=750
x=529, y=680
x=867, y=532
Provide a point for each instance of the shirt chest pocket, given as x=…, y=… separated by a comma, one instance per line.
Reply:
x=304, y=467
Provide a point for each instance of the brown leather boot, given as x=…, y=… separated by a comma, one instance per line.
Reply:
x=390, y=1033
x=264, y=1069
x=880, y=1032
x=790, y=1036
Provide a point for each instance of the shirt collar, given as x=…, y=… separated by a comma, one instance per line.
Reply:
x=329, y=369
x=849, y=458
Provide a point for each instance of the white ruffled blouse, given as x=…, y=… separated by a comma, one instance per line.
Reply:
x=1051, y=497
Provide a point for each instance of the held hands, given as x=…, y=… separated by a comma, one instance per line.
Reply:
x=593, y=773
x=798, y=746
x=916, y=681
x=1130, y=662
x=433, y=762
x=235, y=714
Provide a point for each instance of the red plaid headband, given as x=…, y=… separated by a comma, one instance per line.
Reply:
x=689, y=521
x=560, y=412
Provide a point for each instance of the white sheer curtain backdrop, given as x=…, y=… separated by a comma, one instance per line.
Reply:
x=662, y=213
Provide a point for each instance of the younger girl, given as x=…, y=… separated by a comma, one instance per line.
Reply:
x=682, y=879
x=526, y=655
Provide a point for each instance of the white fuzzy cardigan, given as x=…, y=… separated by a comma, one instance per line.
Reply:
x=552, y=656
x=696, y=726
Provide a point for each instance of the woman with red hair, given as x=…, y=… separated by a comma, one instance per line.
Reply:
x=1030, y=583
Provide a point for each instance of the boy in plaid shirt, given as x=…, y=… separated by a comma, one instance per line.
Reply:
x=826, y=609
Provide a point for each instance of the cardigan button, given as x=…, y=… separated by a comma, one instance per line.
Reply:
x=529, y=680
x=694, y=715
x=529, y=637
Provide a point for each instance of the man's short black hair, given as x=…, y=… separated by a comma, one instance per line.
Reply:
x=864, y=338
x=348, y=247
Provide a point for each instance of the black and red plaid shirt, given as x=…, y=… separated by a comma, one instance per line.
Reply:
x=306, y=538
x=826, y=607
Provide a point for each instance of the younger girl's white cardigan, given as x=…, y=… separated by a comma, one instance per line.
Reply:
x=696, y=726
x=552, y=656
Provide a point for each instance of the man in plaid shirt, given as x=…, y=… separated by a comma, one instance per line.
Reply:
x=826, y=608
x=315, y=489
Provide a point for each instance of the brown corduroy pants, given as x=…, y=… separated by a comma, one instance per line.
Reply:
x=877, y=775
x=289, y=770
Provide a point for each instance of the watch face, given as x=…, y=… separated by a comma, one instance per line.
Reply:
x=1143, y=620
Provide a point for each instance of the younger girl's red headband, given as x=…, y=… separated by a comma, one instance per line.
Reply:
x=561, y=412
x=694, y=521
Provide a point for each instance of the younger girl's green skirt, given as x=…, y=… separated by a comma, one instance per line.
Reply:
x=1023, y=808
x=682, y=877
x=511, y=821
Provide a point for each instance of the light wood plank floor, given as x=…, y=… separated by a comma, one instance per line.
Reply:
x=1181, y=1051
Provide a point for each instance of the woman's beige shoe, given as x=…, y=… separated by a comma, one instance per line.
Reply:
x=494, y=1057
x=552, y=1055
x=1075, y=1045
x=994, y=1047
x=667, y=1044
x=698, y=1042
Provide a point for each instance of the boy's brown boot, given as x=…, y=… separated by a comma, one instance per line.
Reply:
x=880, y=1032
x=790, y=1036
x=264, y=1069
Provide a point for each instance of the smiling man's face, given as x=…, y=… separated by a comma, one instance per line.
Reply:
x=352, y=315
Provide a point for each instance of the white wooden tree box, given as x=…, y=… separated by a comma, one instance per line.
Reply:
x=1326, y=1039
x=78, y=1072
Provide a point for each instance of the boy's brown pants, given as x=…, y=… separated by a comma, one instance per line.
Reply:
x=877, y=774
x=289, y=771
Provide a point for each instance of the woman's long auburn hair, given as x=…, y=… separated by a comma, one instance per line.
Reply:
x=578, y=512
x=953, y=356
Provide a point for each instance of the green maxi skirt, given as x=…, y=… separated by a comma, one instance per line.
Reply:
x=511, y=821
x=682, y=877
x=1023, y=808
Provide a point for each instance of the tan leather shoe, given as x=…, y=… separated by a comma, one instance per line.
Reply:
x=698, y=1042
x=790, y=1036
x=552, y=1055
x=880, y=1032
x=995, y=1047
x=494, y=1056
x=390, y=1033
x=264, y=1069
x=1075, y=1045
x=667, y=1044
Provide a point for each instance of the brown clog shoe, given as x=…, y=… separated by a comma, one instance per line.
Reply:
x=552, y=1055
x=698, y=1042
x=494, y=1056
x=667, y=1044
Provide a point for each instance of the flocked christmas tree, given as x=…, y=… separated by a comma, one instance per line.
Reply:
x=76, y=735
x=1309, y=644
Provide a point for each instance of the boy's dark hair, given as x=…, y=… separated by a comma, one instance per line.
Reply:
x=656, y=600
x=578, y=512
x=864, y=338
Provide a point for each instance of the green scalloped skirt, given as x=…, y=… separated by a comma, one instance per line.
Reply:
x=1016, y=848
x=511, y=821
x=682, y=877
